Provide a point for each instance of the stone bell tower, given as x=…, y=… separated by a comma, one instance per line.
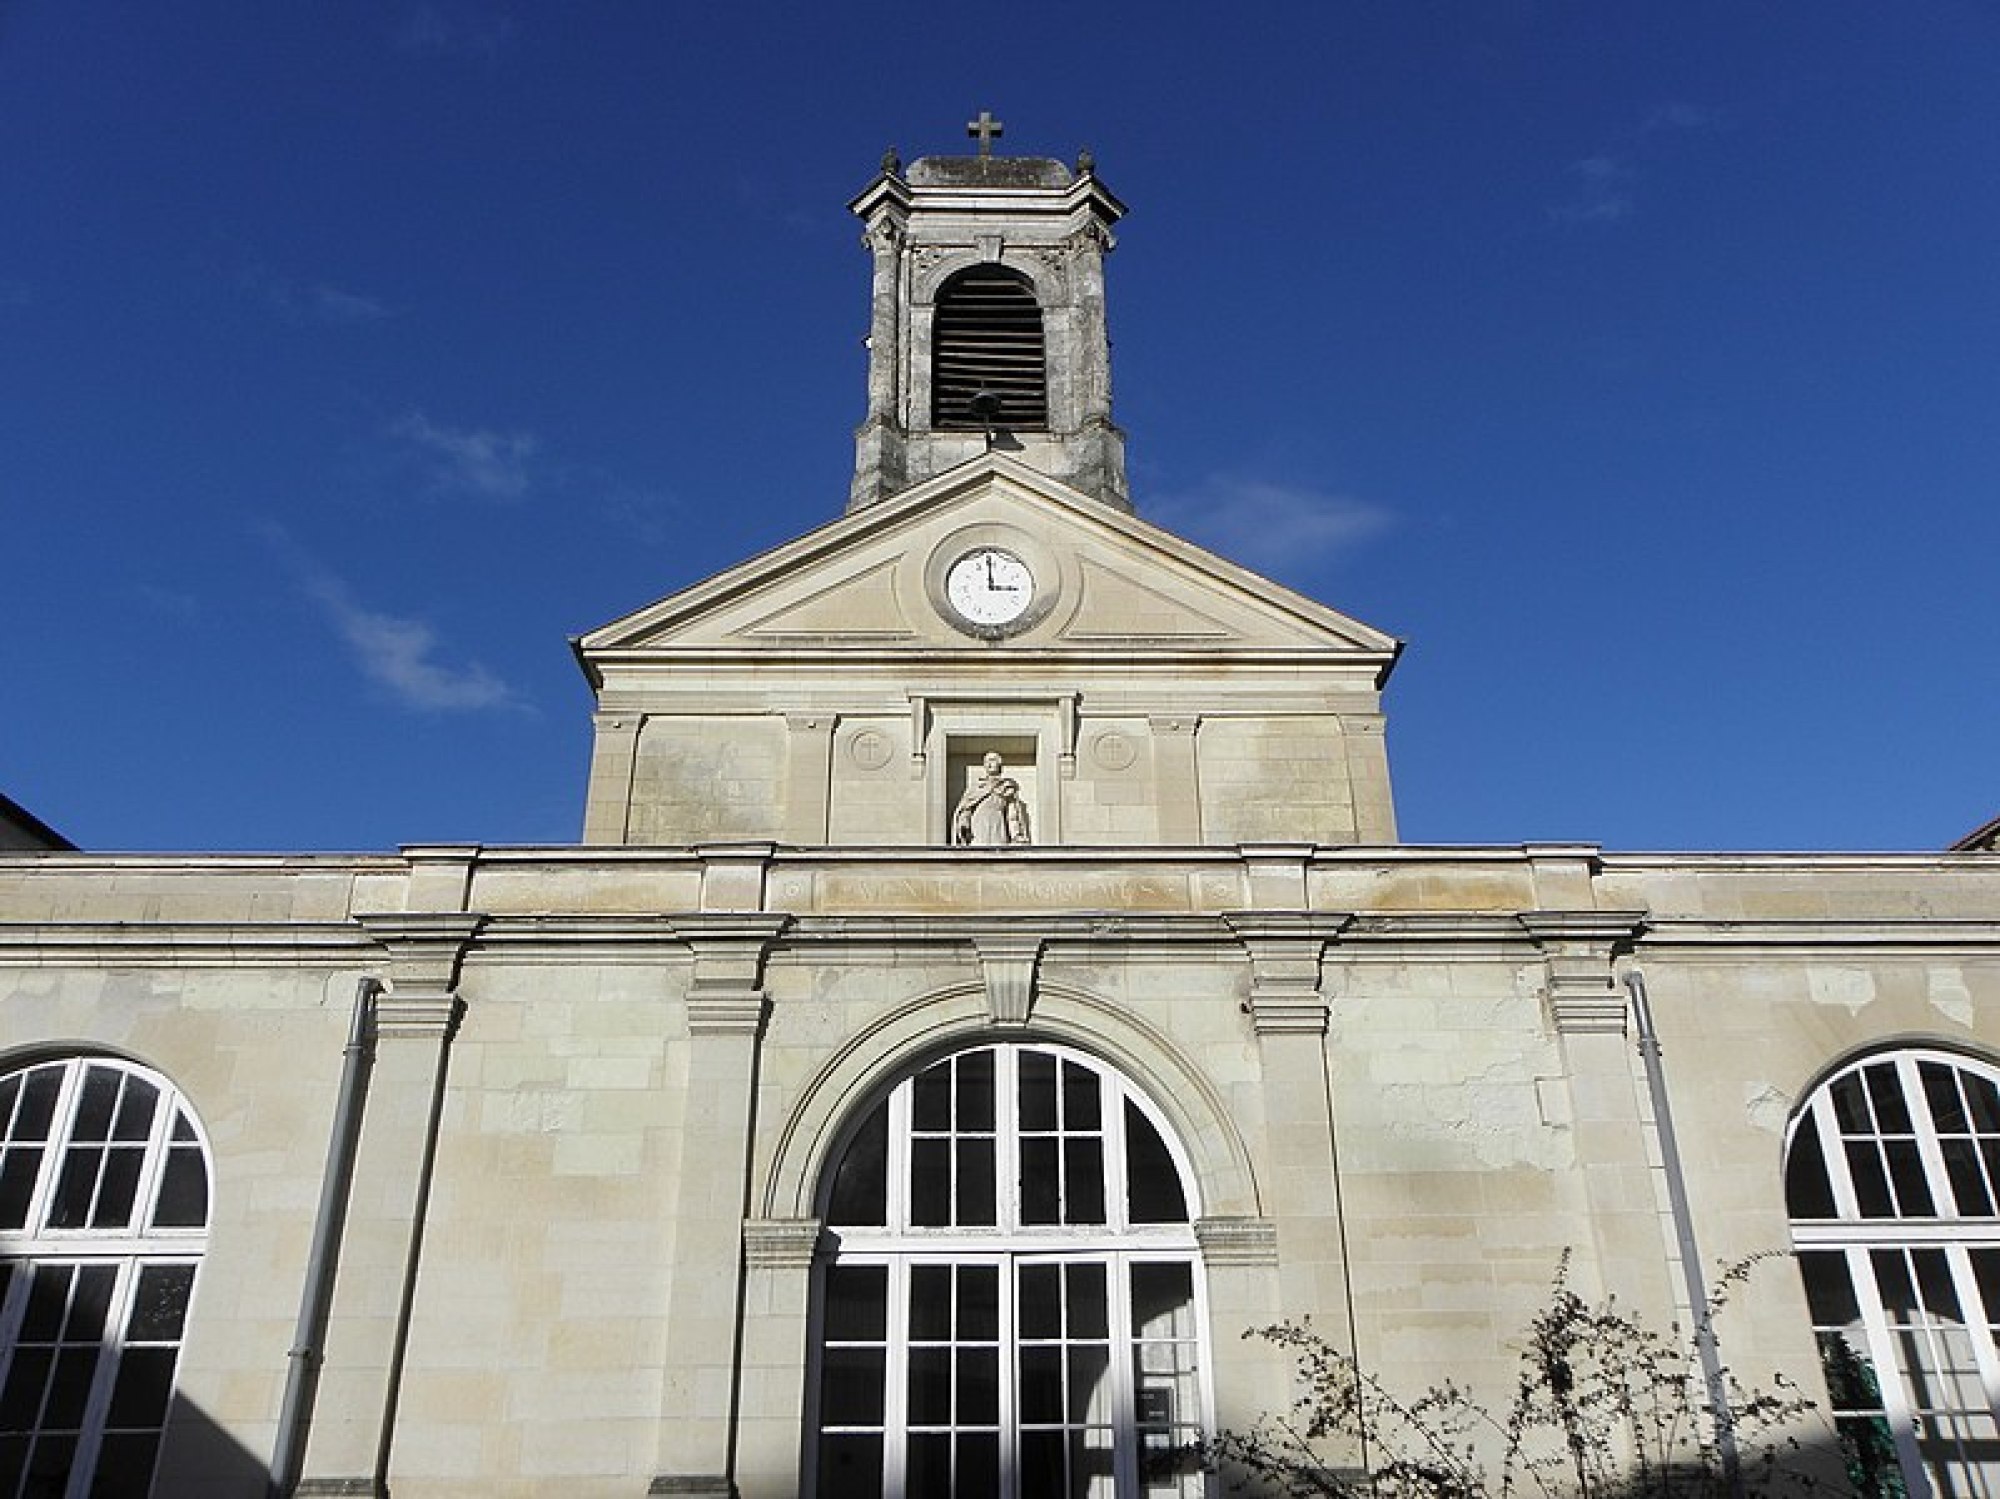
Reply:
x=988, y=328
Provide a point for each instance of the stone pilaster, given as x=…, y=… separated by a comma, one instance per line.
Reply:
x=354, y=1410
x=726, y=1009
x=614, y=757
x=808, y=776
x=1176, y=791
x=1587, y=1010
x=1288, y=1014
x=778, y=1259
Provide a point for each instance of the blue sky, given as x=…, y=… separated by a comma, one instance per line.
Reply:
x=1639, y=364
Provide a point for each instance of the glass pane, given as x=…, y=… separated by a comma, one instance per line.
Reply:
x=1829, y=1291
x=1941, y=1095
x=135, y=1110
x=1040, y=1309
x=930, y=1183
x=850, y=1466
x=930, y=1098
x=1983, y=1099
x=978, y=1386
x=145, y=1381
x=978, y=1466
x=160, y=1307
x=1040, y=1186
x=1892, y=1284
x=71, y=1208
x=183, y=1190
x=1868, y=1448
x=1152, y=1184
x=927, y=1468
x=1968, y=1182
x=69, y=1388
x=1042, y=1464
x=930, y=1302
x=1163, y=1301
x=90, y=1304
x=100, y=1096
x=851, y=1390
x=1934, y=1280
x=124, y=1465
x=119, y=1187
x=10, y=1094
x=48, y=1303
x=1083, y=1170
x=1088, y=1311
x=21, y=1399
x=38, y=1104
x=930, y=1386
x=1038, y=1090
x=976, y=1188
x=18, y=1168
x=184, y=1128
x=861, y=1185
x=978, y=1301
x=857, y=1303
x=1850, y=1108
x=1808, y=1192
x=1090, y=1382
x=975, y=1091
x=1885, y=1091
x=1041, y=1393
x=1871, y=1182
x=1080, y=1098
x=1906, y=1169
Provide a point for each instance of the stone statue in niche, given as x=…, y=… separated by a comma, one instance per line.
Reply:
x=991, y=814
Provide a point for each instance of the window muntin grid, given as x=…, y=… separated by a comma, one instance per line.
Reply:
x=1889, y=1180
x=103, y=1216
x=1009, y=1139
x=1041, y=1340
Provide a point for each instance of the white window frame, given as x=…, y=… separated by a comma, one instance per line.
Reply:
x=1954, y=1238
x=128, y=1249
x=1009, y=1245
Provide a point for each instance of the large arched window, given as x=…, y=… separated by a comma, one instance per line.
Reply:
x=1892, y=1180
x=1013, y=1307
x=103, y=1216
x=987, y=335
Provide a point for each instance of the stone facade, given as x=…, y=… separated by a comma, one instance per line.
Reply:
x=580, y=1226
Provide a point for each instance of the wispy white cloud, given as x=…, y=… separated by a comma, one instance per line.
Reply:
x=1603, y=187
x=454, y=30
x=310, y=302
x=1601, y=195
x=1679, y=114
x=471, y=460
x=396, y=652
x=1266, y=525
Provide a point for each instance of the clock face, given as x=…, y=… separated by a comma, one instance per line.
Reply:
x=988, y=586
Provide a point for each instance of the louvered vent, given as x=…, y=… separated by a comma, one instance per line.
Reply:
x=988, y=336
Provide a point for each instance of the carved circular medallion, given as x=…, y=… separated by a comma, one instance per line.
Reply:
x=869, y=749
x=1113, y=751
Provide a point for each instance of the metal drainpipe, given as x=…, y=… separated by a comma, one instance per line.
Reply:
x=316, y=1302
x=1706, y=1347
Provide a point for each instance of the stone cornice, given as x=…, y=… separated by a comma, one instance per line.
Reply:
x=780, y=1243
x=1237, y=1241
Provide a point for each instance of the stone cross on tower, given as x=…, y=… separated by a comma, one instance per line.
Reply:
x=986, y=129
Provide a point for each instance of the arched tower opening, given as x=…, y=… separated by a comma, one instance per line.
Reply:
x=988, y=336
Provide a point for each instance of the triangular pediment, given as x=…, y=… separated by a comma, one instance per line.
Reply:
x=872, y=584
